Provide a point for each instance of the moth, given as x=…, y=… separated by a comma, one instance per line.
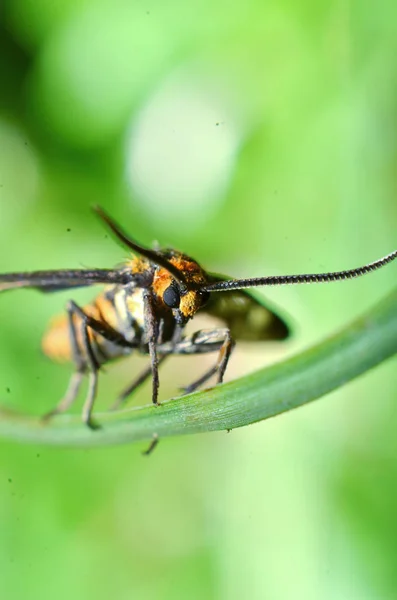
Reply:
x=144, y=308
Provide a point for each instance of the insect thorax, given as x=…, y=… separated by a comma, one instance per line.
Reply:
x=129, y=308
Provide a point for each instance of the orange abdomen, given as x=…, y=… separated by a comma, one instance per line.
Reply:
x=56, y=341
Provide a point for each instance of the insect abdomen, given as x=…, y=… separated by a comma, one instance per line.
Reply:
x=56, y=343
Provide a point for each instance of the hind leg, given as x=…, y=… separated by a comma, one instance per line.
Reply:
x=76, y=378
x=84, y=359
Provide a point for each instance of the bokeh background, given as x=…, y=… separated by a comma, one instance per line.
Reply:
x=259, y=137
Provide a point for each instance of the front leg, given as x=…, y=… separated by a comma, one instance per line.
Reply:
x=142, y=377
x=152, y=331
x=221, y=364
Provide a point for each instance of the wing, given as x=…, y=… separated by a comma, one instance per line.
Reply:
x=247, y=315
x=55, y=281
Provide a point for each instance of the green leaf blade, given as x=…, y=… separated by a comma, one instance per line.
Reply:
x=261, y=395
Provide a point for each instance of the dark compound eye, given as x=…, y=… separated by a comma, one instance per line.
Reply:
x=171, y=297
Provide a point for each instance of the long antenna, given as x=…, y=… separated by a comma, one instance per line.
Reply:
x=152, y=255
x=238, y=284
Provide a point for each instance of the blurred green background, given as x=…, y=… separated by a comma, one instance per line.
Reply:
x=259, y=137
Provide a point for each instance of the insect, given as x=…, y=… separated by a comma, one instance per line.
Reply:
x=145, y=306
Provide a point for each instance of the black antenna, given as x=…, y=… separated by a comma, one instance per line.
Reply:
x=238, y=284
x=152, y=255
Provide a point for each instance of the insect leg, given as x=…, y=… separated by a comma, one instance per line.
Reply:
x=76, y=378
x=152, y=445
x=89, y=361
x=211, y=340
x=93, y=367
x=151, y=327
x=219, y=368
x=142, y=377
x=82, y=364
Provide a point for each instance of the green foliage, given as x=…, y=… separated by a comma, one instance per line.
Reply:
x=259, y=138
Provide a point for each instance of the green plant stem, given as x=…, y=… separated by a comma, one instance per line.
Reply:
x=263, y=394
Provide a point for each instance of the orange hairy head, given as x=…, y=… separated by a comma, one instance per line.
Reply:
x=186, y=300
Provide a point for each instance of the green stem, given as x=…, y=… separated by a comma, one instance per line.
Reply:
x=265, y=393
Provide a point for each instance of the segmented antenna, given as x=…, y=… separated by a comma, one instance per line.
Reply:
x=152, y=255
x=237, y=284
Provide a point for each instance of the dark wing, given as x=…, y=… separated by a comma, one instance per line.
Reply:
x=246, y=314
x=55, y=281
